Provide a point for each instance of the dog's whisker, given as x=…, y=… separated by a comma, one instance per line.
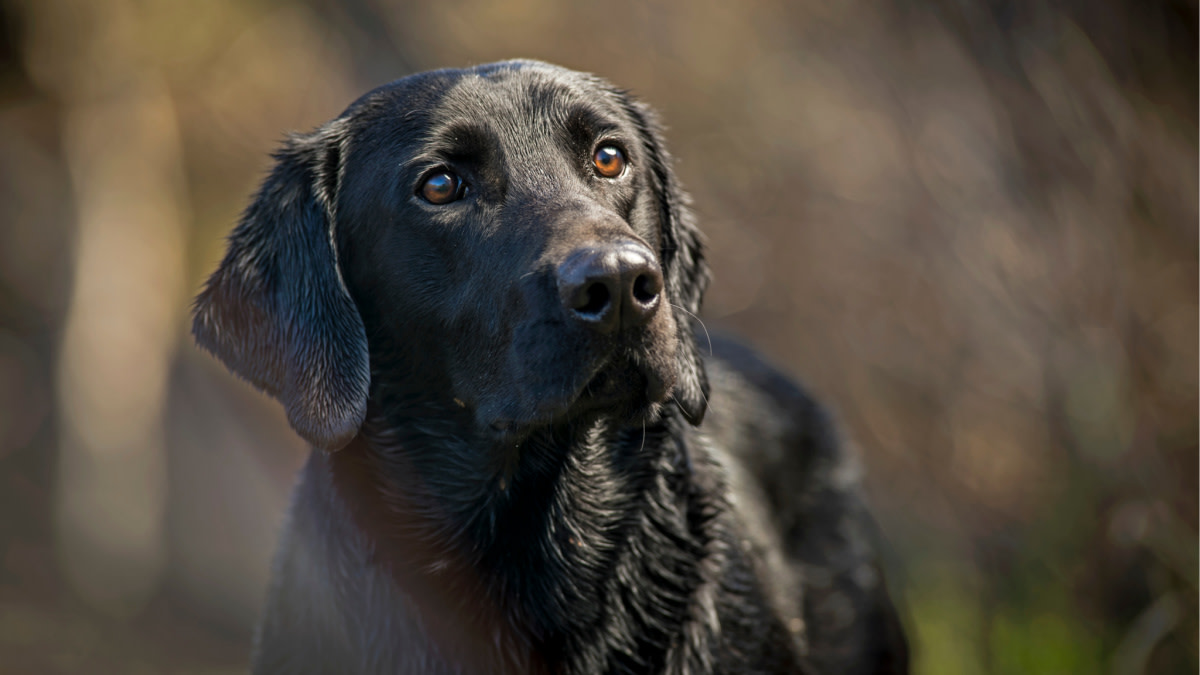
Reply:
x=699, y=321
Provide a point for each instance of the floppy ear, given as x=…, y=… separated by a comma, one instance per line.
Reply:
x=684, y=268
x=277, y=312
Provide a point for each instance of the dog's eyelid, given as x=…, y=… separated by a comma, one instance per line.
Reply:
x=615, y=141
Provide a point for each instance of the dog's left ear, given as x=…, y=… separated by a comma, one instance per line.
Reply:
x=684, y=268
x=276, y=311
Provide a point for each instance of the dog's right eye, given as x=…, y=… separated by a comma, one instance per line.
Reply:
x=442, y=187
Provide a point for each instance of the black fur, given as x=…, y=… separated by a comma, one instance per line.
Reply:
x=518, y=492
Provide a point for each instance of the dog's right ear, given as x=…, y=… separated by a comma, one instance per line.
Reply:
x=277, y=312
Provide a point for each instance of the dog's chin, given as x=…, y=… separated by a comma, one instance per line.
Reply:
x=622, y=391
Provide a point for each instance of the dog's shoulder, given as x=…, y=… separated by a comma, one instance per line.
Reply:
x=771, y=424
x=796, y=483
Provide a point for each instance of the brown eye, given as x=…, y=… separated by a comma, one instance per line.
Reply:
x=609, y=161
x=442, y=187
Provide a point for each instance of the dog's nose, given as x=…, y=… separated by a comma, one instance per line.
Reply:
x=610, y=286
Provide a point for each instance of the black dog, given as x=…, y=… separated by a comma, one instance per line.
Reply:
x=480, y=286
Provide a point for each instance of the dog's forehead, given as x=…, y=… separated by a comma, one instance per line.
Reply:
x=524, y=99
x=526, y=92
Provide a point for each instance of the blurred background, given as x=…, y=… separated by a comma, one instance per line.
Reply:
x=969, y=226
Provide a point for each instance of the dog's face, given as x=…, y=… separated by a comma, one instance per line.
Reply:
x=506, y=240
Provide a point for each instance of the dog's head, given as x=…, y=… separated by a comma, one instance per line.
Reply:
x=509, y=240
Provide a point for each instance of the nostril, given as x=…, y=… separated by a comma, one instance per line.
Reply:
x=596, y=298
x=645, y=288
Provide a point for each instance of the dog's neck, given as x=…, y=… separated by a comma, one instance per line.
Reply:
x=588, y=543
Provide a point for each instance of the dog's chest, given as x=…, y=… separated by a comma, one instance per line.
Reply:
x=334, y=607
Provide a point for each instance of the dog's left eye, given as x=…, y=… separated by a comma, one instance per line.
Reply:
x=442, y=187
x=609, y=161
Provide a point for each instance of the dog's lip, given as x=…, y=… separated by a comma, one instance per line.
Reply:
x=595, y=391
x=547, y=413
x=606, y=386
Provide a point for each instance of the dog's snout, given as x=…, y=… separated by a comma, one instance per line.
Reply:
x=611, y=286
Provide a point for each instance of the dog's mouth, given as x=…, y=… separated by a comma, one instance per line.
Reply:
x=624, y=387
x=625, y=380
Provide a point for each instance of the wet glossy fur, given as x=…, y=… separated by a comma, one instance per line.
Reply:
x=498, y=487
